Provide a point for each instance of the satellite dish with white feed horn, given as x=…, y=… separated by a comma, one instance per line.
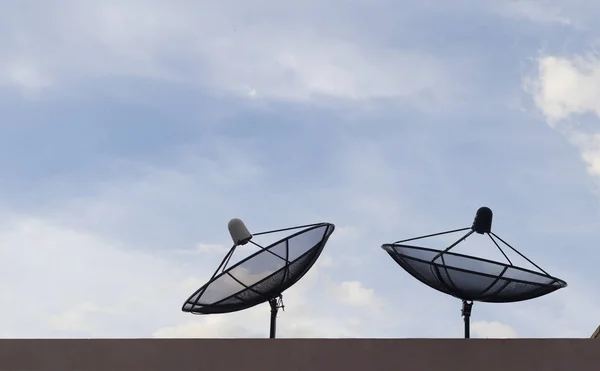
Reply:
x=262, y=276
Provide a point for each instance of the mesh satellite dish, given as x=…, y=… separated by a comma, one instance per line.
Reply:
x=262, y=276
x=470, y=278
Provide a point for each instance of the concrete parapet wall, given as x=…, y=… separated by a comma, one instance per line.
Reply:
x=300, y=354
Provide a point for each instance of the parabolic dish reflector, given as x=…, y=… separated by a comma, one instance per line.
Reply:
x=471, y=278
x=263, y=275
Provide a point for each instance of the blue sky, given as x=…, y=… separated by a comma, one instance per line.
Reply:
x=133, y=131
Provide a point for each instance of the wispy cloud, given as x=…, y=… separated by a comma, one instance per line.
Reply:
x=534, y=11
x=291, y=53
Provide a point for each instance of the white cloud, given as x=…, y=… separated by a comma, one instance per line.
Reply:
x=215, y=326
x=75, y=275
x=304, y=70
x=229, y=47
x=533, y=11
x=565, y=89
x=76, y=319
x=24, y=76
x=567, y=86
x=353, y=293
x=205, y=248
x=254, y=323
x=589, y=146
x=483, y=329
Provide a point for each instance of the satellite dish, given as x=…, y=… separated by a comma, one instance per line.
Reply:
x=470, y=278
x=262, y=276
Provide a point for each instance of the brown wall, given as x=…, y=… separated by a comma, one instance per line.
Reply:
x=293, y=354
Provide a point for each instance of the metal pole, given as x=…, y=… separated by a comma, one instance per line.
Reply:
x=466, y=313
x=274, y=309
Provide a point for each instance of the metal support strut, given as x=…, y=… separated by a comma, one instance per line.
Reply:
x=275, y=304
x=466, y=312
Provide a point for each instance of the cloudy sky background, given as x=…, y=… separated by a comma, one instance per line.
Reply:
x=132, y=131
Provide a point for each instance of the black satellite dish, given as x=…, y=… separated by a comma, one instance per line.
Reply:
x=262, y=276
x=469, y=278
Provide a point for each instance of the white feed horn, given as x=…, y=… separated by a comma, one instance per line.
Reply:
x=238, y=231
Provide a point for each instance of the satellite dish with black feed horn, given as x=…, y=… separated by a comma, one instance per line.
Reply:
x=470, y=278
x=262, y=276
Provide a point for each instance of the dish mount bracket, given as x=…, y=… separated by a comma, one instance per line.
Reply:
x=276, y=304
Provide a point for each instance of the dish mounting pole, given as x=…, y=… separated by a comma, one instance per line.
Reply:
x=275, y=304
x=466, y=313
